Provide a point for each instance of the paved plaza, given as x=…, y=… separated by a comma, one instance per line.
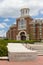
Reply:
x=38, y=61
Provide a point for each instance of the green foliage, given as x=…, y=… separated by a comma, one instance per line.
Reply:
x=3, y=51
x=20, y=41
x=29, y=41
x=3, y=48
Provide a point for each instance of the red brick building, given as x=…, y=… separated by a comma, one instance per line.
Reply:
x=26, y=27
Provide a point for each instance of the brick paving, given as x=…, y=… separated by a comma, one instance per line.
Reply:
x=38, y=61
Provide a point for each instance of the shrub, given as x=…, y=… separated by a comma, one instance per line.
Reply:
x=3, y=51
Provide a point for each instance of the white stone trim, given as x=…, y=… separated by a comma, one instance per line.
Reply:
x=18, y=36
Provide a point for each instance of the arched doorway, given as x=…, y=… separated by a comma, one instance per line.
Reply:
x=22, y=35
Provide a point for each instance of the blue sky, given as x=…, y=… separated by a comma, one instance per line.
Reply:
x=5, y=23
x=10, y=10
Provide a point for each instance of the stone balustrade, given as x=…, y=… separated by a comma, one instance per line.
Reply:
x=38, y=47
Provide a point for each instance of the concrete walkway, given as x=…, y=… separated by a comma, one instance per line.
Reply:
x=38, y=61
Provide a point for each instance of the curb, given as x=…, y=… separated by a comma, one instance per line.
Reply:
x=4, y=58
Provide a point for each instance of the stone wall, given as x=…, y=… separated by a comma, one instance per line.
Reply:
x=24, y=56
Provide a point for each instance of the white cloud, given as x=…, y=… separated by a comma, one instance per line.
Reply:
x=2, y=33
x=6, y=20
x=41, y=11
x=14, y=22
x=10, y=8
x=3, y=25
x=2, y=29
x=1, y=0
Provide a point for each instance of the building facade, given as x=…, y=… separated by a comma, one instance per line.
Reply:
x=26, y=28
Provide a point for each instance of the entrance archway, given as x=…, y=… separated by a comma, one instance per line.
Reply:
x=22, y=35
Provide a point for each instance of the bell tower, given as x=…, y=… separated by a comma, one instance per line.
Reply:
x=25, y=12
